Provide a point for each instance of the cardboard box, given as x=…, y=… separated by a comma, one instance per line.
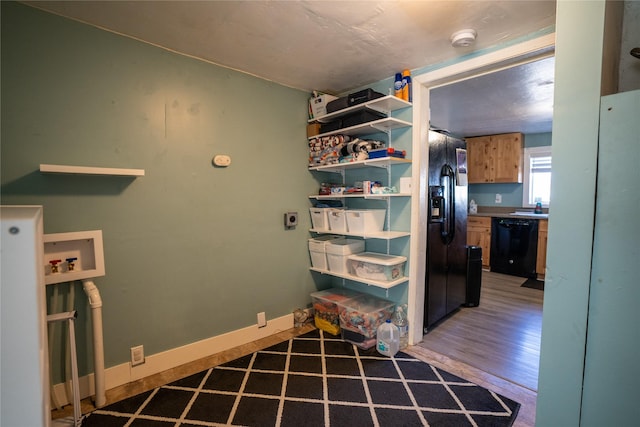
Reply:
x=313, y=129
x=318, y=105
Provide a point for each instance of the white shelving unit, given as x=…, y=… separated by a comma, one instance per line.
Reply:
x=385, y=105
x=87, y=170
x=378, y=283
x=384, y=162
x=359, y=196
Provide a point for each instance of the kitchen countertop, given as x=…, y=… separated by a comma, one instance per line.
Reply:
x=501, y=212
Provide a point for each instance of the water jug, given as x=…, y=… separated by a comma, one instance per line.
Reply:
x=388, y=339
x=399, y=319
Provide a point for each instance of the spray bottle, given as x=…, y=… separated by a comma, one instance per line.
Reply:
x=407, y=86
x=397, y=86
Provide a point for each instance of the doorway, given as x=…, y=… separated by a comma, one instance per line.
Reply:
x=529, y=51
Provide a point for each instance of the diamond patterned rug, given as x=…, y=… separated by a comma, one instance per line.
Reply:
x=315, y=379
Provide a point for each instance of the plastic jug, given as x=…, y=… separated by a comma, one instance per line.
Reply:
x=388, y=339
x=399, y=319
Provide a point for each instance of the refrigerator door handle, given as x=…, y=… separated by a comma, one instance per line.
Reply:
x=449, y=224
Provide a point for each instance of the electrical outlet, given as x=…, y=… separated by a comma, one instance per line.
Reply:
x=498, y=198
x=262, y=319
x=137, y=355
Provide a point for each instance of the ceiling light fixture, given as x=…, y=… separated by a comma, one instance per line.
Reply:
x=463, y=38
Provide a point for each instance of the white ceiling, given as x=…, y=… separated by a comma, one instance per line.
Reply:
x=517, y=99
x=331, y=46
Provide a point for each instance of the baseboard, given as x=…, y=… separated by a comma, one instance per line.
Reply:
x=124, y=373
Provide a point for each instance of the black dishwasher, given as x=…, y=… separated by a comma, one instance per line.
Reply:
x=514, y=246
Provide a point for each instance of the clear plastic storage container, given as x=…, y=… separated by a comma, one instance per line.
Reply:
x=325, y=305
x=374, y=266
x=361, y=316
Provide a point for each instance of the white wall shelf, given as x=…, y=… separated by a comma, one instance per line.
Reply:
x=383, y=162
x=85, y=170
x=377, y=283
x=382, y=235
x=385, y=104
x=358, y=195
x=381, y=125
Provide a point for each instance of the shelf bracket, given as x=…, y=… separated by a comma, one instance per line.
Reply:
x=377, y=165
x=385, y=111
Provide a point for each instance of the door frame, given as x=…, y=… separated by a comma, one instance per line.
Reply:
x=527, y=51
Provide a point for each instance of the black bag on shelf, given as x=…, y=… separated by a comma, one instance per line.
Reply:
x=361, y=117
x=331, y=126
x=338, y=104
x=363, y=96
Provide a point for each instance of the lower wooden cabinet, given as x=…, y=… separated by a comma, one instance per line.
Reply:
x=541, y=260
x=479, y=234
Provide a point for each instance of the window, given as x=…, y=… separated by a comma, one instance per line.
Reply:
x=537, y=176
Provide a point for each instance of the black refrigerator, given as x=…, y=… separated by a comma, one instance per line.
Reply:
x=447, y=228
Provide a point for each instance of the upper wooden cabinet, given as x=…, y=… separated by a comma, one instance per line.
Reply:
x=495, y=158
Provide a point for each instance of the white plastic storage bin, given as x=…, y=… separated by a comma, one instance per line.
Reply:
x=365, y=221
x=319, y=218
x=339, y=250
x=337, y=220
x=374, y=266
x=318, y=252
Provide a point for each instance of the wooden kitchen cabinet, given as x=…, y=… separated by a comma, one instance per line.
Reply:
x=541, y=260
x=495, y=158
x=479, y=234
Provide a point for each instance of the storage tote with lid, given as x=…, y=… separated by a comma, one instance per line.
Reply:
x=338, y=251
x=375, y=266
x=363, y=221
x=361, y=316
x=325, y=305
x=317, y=250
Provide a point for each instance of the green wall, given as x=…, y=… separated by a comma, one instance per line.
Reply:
x=579, y=46
x=485, y=194
x=191, y=251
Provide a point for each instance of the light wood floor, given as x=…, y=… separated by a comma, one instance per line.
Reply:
x=498, y=341
x=487, y=345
